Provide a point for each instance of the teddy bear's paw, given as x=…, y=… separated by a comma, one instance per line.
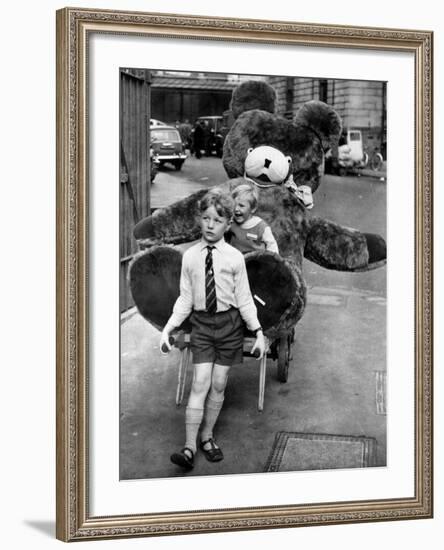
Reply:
x=343, y=248
x=377, y=250
x=277, y=287
x=154, y=277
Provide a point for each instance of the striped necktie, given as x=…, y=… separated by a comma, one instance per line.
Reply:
x=210, y=286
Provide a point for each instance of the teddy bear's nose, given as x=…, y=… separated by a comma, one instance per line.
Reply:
x=267, y=163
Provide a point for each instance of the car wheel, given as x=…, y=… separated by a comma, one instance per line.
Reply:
x=328, y=166
x=178, y=165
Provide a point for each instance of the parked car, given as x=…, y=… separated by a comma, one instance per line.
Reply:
x=154, y=122
x=214, y=140
x=167, y=146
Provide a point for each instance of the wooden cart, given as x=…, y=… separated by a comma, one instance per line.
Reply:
x=279, y=349
x=276, y=285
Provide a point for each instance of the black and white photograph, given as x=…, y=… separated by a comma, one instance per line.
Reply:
x=268, y=168
x=253, y=284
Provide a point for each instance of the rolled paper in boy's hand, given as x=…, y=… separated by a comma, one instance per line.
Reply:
x=262, y=303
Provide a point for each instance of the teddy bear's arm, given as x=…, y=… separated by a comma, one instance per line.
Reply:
x=344, y=249
x=173, y=224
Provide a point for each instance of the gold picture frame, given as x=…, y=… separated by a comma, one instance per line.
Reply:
x=74, y=27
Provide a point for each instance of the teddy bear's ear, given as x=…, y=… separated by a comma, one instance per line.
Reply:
x=323, y=119
x=288, y=160
x=253, y=94
x=249, y=150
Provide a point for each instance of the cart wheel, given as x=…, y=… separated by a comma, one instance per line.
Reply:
x=284, y=358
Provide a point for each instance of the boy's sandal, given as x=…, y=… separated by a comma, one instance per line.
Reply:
x=183, y=459
x=214, y=453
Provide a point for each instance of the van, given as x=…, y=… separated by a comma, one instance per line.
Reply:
x=350, y=155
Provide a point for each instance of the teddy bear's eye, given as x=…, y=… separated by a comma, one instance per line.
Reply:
x=267, y=163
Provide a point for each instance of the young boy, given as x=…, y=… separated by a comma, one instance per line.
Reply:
x=249, y=232
x=214, y=289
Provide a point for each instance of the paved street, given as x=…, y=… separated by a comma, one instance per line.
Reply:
x=338, y=355
x=171, y=185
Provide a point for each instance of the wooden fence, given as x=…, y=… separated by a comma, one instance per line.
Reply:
x=134, y=167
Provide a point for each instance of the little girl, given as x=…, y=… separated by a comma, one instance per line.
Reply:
x=249, y=232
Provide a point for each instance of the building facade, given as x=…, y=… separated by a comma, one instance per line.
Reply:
x=360, y=104
x=181, y=96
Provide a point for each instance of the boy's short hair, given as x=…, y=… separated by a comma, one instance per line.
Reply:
x=222, y=202
x=249, y=191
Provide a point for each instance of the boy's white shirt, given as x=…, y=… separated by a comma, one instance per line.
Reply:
x=267, y=236
x=192, y=283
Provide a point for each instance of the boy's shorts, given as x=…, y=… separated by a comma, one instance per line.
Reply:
x=217, y=337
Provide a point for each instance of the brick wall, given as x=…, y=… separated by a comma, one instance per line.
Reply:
x=279, y=85
x=306, y=89
x=302, y=89
x=363, y=104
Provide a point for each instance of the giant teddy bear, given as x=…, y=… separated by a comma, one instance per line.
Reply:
x=276, y=282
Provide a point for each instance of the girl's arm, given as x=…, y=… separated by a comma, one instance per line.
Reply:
x=269, y=241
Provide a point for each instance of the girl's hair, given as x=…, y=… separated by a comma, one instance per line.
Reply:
x=248, y=191
x=222, y=202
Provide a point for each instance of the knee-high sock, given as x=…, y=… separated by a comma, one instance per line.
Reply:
x=193, y=419
x=212, y=410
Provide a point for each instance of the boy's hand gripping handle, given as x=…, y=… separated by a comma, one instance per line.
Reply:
x=164, y=348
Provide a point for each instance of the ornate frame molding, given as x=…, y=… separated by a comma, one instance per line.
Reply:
x=73, y=27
